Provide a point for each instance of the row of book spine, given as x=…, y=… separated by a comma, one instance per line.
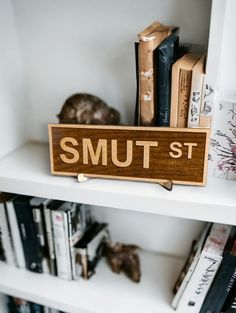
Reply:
x=207, y=282
x=50, y=236
x=18, y=305
x=171, y=86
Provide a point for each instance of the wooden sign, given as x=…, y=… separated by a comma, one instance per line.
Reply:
x=133, y=153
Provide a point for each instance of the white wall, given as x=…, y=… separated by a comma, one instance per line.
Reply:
x=12, y=89
x=227, y=81
x=74, y=46
x=158, y=233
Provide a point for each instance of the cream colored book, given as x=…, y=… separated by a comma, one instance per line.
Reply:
x=197, y=93
x=180, y=89
x=149, y=40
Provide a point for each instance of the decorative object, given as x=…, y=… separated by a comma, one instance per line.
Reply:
x=131, y=153
x=123, y=258
x=222, y=156
x=83, y=108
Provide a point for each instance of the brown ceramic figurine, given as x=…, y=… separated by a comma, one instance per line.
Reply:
x=124, y=258
x=83, y=108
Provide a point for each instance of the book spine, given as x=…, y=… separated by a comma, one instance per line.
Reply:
x=196, y=98
x=6, y=237
x=199, y=284
x=31, y=247
x=15, y=233
x=206, y=105
x=50, y=240
x=39, y=225
x=221, y=286
x=162, y=90
x=60, y=231
x=184, y=96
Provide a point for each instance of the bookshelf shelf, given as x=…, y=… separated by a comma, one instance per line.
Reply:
x=103, y=291
x=30, y=174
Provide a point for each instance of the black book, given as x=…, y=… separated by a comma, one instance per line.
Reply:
x=164, y=57
x=224, y=279
x=89, y=250
x=36, y=308
x=28, y=233
x=230, y=304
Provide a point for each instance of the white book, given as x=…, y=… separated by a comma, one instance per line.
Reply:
x=6, y=237
x=196, y=93
x=15, y=233
x=61, y=240
x=195, y=258
x=205, y=270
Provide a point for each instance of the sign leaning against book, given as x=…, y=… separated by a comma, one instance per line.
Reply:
x=131, y=153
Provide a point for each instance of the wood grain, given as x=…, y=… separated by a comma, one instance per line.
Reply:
x=134, y=153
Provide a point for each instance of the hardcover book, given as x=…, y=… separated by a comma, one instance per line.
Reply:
x=224, y=279
x=180, y=89
x=164, y=57
x=69, y=224
x=196, y=93
x=28, y=233
x=149, y=40
x=205, y=270
x=6, y=237
x=89, y=249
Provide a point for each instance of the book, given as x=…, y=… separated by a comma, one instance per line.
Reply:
x=205, y=270
x=15, y=233
x=69, y=222
x=196, y=93
x=164, y=57
x=52, y=205
x=38, y=207
x=6, y=237
x=149, y=40
x=36, y=308
x=180, y=89
x=17, y=305
x=89, y=249
x=224, y=279
x=189, y=266
x=28, y=233
x=230, y=304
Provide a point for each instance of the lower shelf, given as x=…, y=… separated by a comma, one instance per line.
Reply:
x=105, y=292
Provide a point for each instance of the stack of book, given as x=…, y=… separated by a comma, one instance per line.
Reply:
x=18, y=305
x=170, y=81
x=207, y=282
x=48, y=236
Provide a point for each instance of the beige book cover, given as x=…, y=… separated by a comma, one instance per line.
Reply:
x=197, y=93
x=180, y=89
x=149, y=39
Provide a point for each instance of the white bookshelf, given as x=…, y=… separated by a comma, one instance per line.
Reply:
x=215, y=202
x=52, y=49
x=105, y=292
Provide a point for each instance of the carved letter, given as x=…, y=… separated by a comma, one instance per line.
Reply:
x=190, y=146
x=129, y=153
x=88, y=150
x=71, y=150
x=146, y=151
x=173, y=147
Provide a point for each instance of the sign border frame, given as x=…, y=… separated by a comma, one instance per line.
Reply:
x=136, y=128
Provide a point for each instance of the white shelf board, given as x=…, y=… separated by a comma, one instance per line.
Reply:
x=27, y=171
x=105, y=292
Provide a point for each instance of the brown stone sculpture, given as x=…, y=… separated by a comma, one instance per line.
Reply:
x=124, y=258
x=83, y=108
